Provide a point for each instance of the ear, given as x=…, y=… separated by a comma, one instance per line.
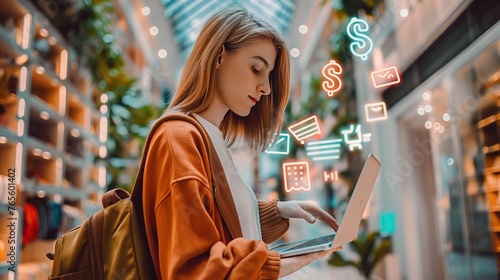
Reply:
x=219, y=57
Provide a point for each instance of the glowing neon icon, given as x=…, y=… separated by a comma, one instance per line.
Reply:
x=331, y=72
x=280, y=146
x=323, y=150
x=296, y=176
x=353, y=137
x=305, y=128
x=331, y=176
x=375, y=111
x=362, y=44
x=385, y=77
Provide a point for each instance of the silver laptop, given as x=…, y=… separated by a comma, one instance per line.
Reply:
x=349, y=224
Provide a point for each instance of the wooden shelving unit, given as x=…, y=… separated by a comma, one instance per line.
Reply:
x=489, y=126
x=51, y=132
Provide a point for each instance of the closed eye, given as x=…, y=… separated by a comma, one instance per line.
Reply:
x=255, y=70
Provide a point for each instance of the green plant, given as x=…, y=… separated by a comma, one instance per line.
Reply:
x=371, y=248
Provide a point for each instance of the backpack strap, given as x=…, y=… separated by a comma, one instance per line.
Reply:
x=220, y=186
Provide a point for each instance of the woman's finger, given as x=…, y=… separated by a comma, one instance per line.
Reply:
x=323, y=216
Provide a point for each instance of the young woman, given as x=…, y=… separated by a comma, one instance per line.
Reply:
x=236, y=85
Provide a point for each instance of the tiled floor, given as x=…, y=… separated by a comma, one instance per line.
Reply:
x=321, y=270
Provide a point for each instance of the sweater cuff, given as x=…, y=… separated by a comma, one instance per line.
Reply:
x=271, y=268
x=273, y=226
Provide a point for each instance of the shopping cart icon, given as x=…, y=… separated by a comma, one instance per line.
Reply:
x=305, y=128
x=353, y=137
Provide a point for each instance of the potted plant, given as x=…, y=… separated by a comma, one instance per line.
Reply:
x=371, y=248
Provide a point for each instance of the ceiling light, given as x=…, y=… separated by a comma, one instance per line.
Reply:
x=44, y=115
x=421, y=111
x=153, y=30
x=145, y=10
x=75, y=133
x=162, y=53
x=40, y=70
x=104, y=98
x=404, y=12
x=303, y=29
x=44, y=32
x=294, y=52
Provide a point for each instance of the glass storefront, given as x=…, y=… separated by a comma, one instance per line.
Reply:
x=459, y=120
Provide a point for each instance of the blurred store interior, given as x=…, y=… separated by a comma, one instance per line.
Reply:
x=414, y=82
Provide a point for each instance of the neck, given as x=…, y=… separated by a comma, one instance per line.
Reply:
x=215, y=112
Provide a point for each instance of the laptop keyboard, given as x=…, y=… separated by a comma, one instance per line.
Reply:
x=316, y=241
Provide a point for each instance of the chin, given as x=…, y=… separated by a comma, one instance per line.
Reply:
x=242, y=112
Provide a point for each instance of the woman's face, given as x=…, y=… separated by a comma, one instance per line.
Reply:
x=243, y=77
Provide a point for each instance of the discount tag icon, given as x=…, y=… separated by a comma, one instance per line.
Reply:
x=333, y=83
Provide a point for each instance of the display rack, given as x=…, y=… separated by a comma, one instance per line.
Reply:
x=51, y=132
x=489, y=125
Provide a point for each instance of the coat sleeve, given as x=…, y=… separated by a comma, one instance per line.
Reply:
x=272, y=225
x=184, y=234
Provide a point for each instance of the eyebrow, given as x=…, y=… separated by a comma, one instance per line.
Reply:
x=262, y=59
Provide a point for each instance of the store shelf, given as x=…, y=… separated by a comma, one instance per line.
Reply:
x=38, y=144
x=54, y=131
x=33, y=187
x=489, y=127
x=9, y=46
x=489, y=120
x=4, y=208
x=4, y=267
x=9, y=134
x=491, y=149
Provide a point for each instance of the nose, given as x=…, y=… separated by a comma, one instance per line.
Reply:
x=265, y=89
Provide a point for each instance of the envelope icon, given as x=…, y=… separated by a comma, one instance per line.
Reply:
x=281, y=146
x=375, y=111
x=385, y=77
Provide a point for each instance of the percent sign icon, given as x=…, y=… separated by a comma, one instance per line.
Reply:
x=331, y=72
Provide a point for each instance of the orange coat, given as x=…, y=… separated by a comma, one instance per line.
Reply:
x=193, y=230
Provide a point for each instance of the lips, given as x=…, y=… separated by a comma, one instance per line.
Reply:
x=254, y=100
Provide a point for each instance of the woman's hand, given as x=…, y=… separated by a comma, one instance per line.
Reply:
x=292, y=264
x=306, y=210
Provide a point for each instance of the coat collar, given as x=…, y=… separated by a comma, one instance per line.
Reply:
x=221, y=190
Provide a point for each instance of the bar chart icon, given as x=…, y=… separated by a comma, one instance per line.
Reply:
x=305, y=128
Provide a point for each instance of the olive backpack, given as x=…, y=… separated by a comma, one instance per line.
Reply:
x=112, y=244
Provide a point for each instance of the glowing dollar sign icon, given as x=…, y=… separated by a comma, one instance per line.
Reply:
x=330, y=72
x=363, y=45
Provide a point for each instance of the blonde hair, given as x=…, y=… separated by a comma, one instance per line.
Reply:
x=235, y=28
